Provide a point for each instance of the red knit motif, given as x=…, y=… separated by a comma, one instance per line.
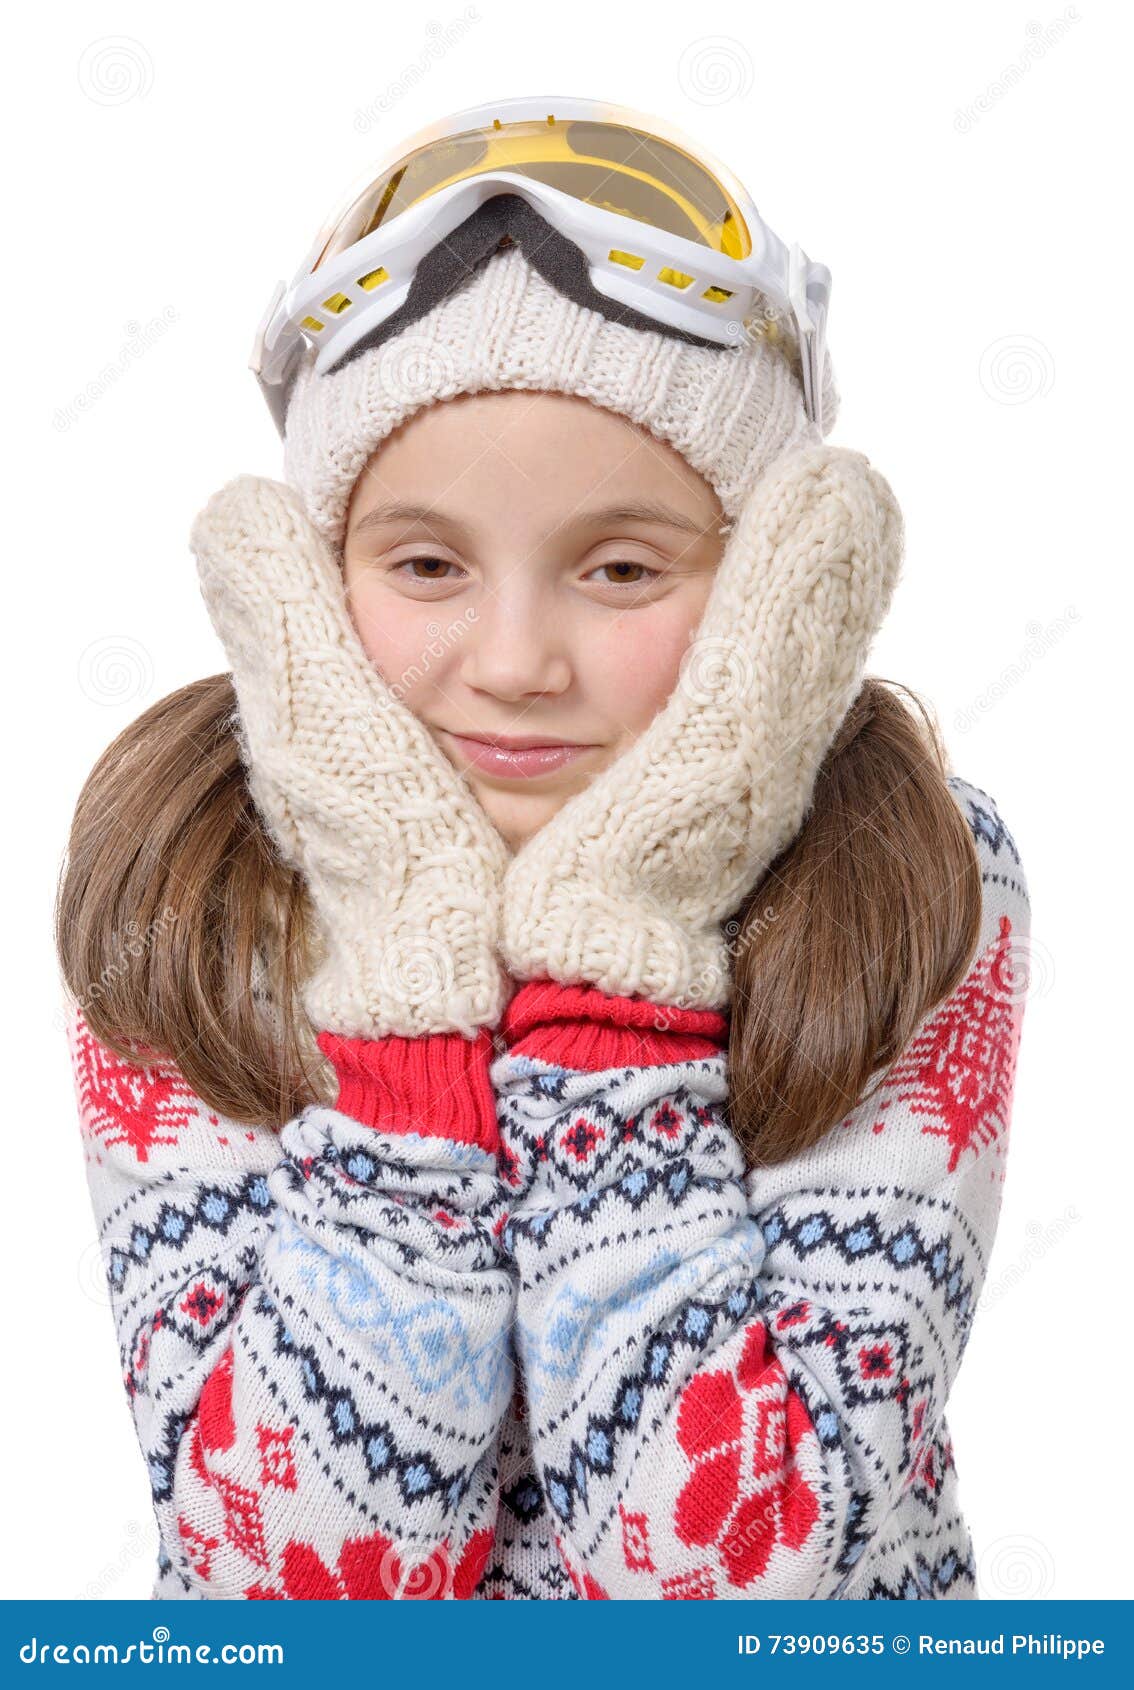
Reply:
x=369, y=1569
x=142, y=1106
x=957, y=1075
x=214, y=1410
x=741, y=1430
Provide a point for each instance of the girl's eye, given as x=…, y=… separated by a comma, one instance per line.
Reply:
x=434, y=573
x=621, y=579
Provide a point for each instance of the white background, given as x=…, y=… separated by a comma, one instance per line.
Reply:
x=958, y=170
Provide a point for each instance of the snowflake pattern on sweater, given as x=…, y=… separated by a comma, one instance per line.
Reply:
x=604, y=1362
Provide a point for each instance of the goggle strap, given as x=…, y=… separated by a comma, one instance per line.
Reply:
x=806, y=280
x=275, y=367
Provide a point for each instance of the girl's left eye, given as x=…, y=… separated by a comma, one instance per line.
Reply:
x=641, y=580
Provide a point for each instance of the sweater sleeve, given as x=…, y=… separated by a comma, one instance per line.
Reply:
x=314, y=1325
x=732, y=1377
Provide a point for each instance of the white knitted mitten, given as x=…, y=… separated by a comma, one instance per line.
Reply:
x=402, y=863
x=626, y=887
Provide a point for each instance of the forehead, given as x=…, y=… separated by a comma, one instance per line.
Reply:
x=547, y=449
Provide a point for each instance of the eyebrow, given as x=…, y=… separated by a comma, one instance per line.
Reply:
x=638, y=510
x=381, y=515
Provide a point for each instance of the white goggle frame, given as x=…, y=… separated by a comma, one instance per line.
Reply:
x=334, y=295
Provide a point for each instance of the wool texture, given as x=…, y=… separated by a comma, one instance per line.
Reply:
x=564, y=1346
x=402, y=863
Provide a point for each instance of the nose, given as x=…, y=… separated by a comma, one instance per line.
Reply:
x=517, y=646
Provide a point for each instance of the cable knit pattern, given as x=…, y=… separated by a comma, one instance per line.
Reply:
x=626, y=886
x=402, y=863
x=731, y=412
x=731, y=1384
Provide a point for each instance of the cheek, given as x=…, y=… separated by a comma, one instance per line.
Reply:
x=395, y=633
x=640, y=658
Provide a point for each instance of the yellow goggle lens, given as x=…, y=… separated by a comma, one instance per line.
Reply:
x=608, y=165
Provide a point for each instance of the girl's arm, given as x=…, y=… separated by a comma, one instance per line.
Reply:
x=314, y=1329
x=314, y=1325
x=732, y=1380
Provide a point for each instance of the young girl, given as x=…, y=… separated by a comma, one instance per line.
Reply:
x=550, y=1140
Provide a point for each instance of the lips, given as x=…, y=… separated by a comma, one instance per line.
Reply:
x=523, y=757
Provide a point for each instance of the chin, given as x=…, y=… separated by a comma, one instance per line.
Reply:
x=517, y=816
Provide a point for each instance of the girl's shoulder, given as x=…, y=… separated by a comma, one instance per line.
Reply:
x=930, y=1134
x=1004, y=882
x=140, y=1122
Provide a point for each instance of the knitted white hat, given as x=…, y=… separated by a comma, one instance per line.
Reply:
x=729, y=411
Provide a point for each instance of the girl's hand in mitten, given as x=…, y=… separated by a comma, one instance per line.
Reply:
x=403, y=865
x=626, y=887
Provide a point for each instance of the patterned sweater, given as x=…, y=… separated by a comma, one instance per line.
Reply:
x=368, y=1358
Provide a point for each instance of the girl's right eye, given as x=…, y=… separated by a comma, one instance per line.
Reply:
x=443, y=563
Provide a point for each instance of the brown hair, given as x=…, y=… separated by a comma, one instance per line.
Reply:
x=856, y=932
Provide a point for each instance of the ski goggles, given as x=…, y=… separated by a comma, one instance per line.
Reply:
x=668, y=235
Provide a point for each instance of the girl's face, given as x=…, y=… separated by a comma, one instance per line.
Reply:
x=525, y=570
